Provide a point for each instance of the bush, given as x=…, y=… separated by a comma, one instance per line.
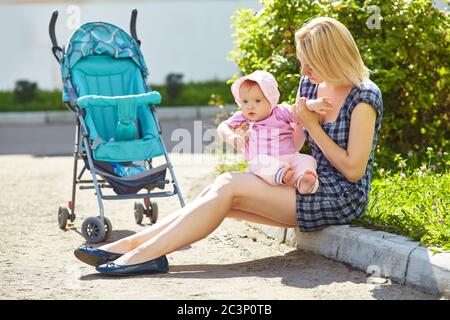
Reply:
x=174, y=85
x=25, y=91
x=408, y=53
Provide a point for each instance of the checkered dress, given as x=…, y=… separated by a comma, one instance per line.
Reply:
x=337, y=201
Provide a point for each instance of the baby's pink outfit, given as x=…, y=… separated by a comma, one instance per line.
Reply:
x=272, y=144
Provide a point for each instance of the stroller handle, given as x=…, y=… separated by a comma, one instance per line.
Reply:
x=134, y=13
x=57, y=51
x=51, y=28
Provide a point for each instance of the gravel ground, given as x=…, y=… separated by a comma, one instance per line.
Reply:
x=234, y=262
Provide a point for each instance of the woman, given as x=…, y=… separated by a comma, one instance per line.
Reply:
x=343, y=142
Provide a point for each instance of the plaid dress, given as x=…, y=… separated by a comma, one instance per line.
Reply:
x=337, y=201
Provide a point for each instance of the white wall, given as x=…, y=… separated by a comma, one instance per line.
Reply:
x=189, y=37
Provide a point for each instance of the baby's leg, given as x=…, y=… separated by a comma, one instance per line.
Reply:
x=305, y=173
x=269, y=168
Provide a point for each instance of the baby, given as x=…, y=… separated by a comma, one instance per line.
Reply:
x=270, y=145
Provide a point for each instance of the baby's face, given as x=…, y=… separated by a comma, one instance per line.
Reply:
x=254, y=104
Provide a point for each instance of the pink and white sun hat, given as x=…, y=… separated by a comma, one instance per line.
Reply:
x=266, y=82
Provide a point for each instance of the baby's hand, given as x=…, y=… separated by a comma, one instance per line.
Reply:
x=321, y=105
x=242, y=129
x=243, y=135
x=237, y=141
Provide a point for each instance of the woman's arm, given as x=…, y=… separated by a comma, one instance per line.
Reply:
x=351, y=162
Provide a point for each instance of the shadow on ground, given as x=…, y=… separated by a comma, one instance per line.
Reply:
x=115, y=235
x=294, y=269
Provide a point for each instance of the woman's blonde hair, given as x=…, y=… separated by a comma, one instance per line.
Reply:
x=331, y=51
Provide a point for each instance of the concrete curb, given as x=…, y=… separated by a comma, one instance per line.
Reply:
x=395, y=257
x=60, y=117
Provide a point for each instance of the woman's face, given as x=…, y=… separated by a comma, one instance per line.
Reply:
x=306, y=70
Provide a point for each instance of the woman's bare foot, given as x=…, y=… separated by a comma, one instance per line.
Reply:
x=120, y=246
x=308, y=183
x=138, y=255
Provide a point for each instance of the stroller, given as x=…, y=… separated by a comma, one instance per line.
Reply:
x=117, y=129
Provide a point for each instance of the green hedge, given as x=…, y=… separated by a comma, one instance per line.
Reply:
x=198, y=94
x=192, y=94
x=44, y=101
x=409, y=54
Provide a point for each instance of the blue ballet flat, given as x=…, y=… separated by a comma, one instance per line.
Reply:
x=94, y=256
x=158, y=265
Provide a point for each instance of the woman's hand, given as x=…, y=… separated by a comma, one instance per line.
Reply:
x=307, y=118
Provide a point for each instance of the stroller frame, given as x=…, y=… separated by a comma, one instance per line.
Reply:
x=97, y=229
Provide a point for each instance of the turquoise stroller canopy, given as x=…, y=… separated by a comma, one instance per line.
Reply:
x=98, y=38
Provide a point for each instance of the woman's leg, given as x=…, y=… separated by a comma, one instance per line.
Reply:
x=242, y=191
x=247, y=216
x=131, y=242
x=255, y=218
x=127, y=244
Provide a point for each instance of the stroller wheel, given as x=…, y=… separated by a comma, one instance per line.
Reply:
x=152, y=212
x=138, y=212
x=108, y=227
x=93, y=230
x=63, y=215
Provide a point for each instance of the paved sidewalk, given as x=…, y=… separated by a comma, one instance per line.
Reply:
x=384, y=255
x=237, y=261
x=57, y=139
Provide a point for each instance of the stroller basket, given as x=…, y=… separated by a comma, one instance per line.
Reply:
x=104, y=82
x=150, y=179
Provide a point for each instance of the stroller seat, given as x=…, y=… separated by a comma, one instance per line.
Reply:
x=100, y=77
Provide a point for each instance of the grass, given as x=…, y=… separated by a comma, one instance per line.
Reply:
x=413, y=199
x=191, y=94
x=413, y=206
